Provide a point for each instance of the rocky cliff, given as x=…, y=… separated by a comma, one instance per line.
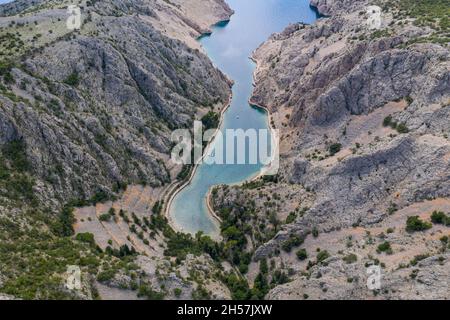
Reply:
x=96, y=106
x=365, y=157
x=363, y=117
x=84, y=113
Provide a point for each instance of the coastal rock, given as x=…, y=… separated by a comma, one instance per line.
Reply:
x=362, y=115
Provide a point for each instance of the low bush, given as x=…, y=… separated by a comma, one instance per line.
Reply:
x=351, y=258
x=322, y=256
x=302, y=254
x=385, y=247
x=334, y=148
x=73, y=79
x=439, y=217
x=414, y=223
x=293, y=241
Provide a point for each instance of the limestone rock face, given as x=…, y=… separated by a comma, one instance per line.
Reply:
x=6, y=297
x=331, y=282
x=331, y=7
x=15, y=7
x=363, y=117
x=94, y=109
x=98, y=106
x=325, y=83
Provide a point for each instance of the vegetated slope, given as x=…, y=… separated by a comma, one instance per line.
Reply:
x=97, y=106
x=84, y=113
x=364, y=117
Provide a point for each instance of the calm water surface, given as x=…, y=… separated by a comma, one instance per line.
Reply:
x=230, y=47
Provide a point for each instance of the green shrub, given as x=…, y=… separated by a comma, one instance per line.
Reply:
x=106, y=275
x=322, y=256
x=123, y=252
x=145, y=291
x=438, y=217
x=351, y=258
x=64, y=225
x=418, y=258
x=86, y=237
x=291, y=218
x=100, y=197
x=402, y=128
x=409, y=100
x=414, y=223
x=238, y=287
x=105, y=217
x=279, y=277
x=315, y=232
x=385, y=247
x=334, y=148
x=302, y=254
x=260, y=286
x=211, y=120
x=5, y=67
x=293, y=241
x=184, y=173
x=33, y=260
x=263, y=267
x=392, y=208
x=181, y=244
x=387, y=121
x=157, y=207
x=73, y=79
x=232, y=233
x=15, y=152
x=20, y=186
x=177, y=292
x=112, y=211
x=8, y=77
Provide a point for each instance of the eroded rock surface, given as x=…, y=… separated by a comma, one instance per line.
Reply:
x=86, y=112
x=363, y=116
x=96, y=107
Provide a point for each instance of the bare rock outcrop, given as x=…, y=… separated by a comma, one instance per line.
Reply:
x=96, y=107
x=363, y=117
x=86, y=112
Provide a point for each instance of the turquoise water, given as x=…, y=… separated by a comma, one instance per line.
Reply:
x=229, y=47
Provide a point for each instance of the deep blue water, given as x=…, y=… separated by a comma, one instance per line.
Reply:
x=229, y=47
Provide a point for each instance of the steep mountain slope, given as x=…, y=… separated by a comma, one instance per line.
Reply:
x=84, y=113
x=96, y=107
x=365, y=155
x=363, y=116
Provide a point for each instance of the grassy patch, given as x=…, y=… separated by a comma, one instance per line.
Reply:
x=434, y=14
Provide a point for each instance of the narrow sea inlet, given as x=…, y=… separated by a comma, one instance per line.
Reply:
x=230, y=47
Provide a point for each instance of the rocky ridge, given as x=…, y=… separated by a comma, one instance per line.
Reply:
x=96, y=107
x=363, y=117
x=84, y=114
